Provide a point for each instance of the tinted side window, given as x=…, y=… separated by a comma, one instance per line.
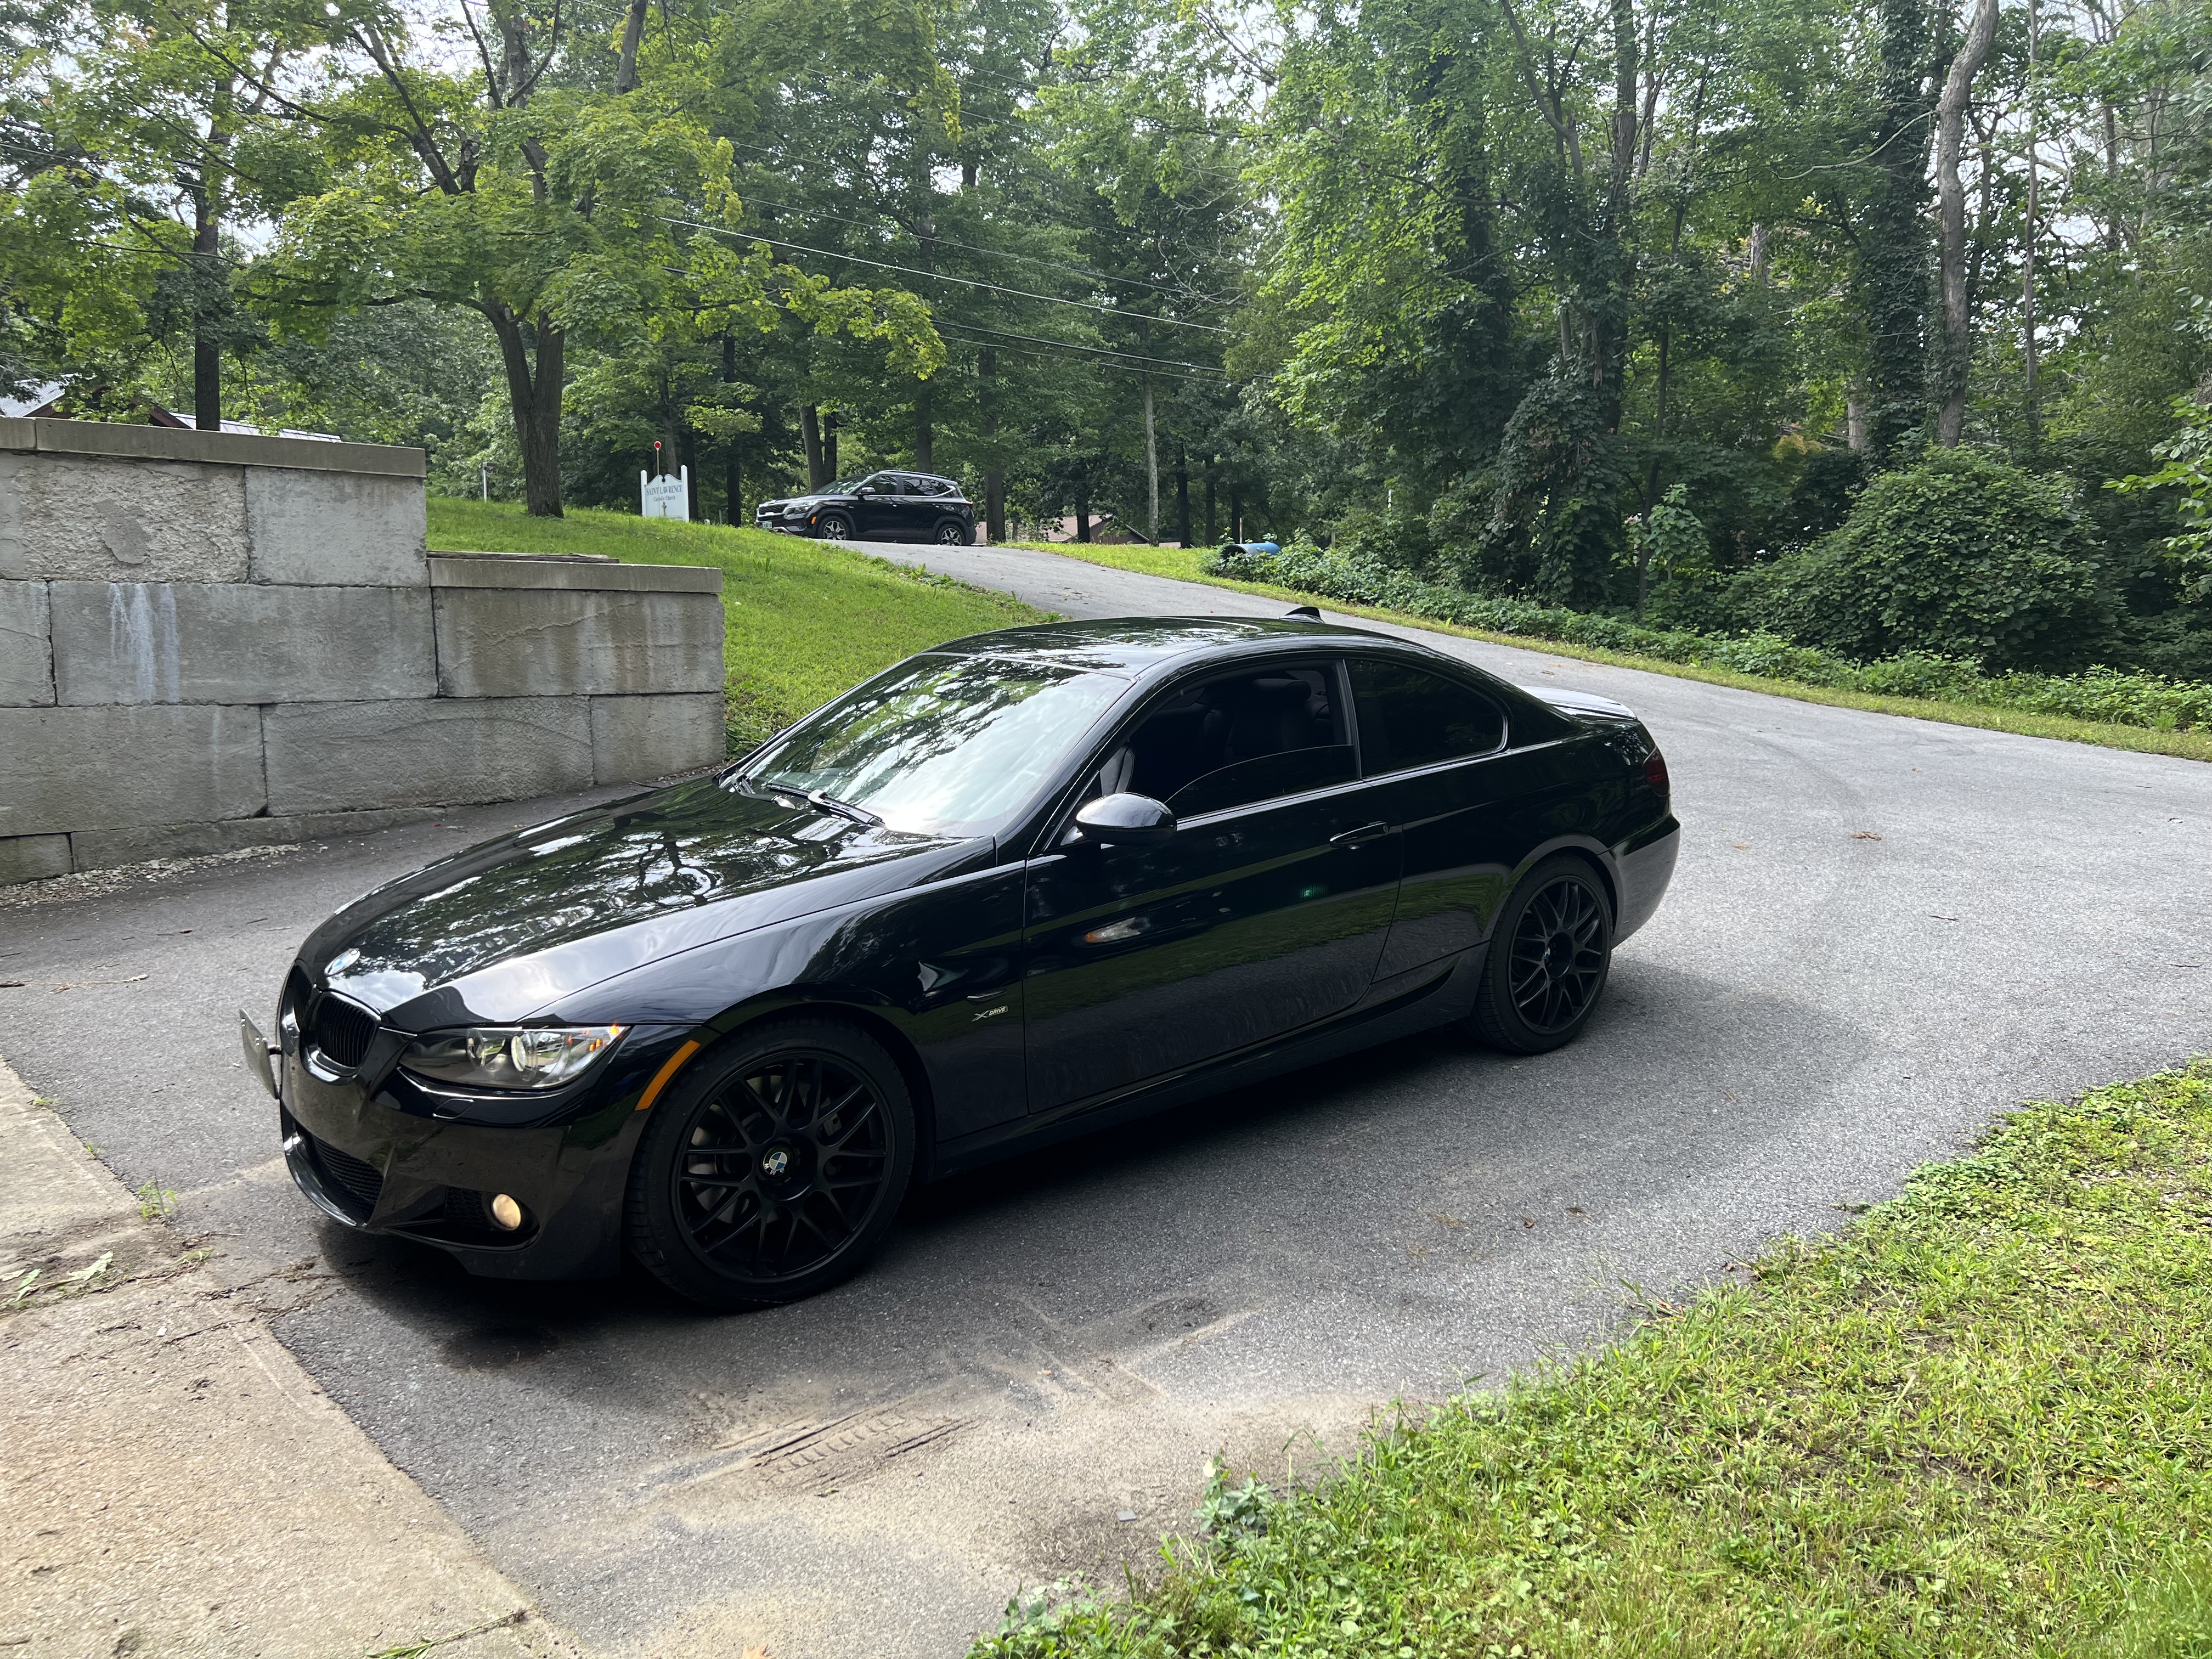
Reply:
x=1409, y=717
x=1232, y=741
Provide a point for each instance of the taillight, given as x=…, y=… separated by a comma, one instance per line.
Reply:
x=1654, y=771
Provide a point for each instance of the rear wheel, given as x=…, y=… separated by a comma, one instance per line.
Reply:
x=1549, y=957
x=953, y=534
x=835, y=526
x=776, y=1171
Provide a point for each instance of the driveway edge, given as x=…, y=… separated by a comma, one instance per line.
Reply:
x=177, y=1483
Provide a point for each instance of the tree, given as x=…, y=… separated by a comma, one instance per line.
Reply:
x=550, y=210
x=1951, y=196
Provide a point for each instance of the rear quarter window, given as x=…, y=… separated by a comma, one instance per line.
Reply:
x=1411, y=717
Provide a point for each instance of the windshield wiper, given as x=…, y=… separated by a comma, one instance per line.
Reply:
x=821, y=801
x=843, y=809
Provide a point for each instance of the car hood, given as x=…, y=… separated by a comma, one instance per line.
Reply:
x=498, y=931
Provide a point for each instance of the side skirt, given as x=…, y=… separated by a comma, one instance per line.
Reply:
x=1421, y=999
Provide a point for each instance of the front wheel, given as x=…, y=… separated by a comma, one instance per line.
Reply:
x=836, y=527
x=777, y=1170
x=953, y=534
x=1549, y=957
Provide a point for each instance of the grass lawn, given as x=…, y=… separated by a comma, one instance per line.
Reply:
x=1181, y=563
x=806, y=620
x=1977, y=1422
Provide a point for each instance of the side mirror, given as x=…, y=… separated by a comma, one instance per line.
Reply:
x=1125, y=821
x=863, y=491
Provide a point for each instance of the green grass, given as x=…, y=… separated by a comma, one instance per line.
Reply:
x=806, y=620
x=1977, y=1422
x=1182, y=564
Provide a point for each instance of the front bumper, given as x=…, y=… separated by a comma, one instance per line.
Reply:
x=363, y=1151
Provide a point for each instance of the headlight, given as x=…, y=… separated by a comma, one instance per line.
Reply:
x=509, y=1056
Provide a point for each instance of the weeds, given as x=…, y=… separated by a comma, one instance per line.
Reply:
x=1976, y=1423
x=156, y=1202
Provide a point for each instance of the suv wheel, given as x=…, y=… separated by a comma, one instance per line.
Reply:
x=953, y=534
x=835, y=526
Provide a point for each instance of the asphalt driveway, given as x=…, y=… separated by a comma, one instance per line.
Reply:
x=1881, y=933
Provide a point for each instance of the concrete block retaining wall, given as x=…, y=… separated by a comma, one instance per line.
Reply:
x=209, y=641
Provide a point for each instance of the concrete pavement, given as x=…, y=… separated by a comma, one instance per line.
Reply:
x=1882, y=931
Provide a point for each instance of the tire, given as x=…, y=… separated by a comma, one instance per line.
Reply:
x=815, y=1135
x=953, y=534
x=836, y=527
x=1549, y=957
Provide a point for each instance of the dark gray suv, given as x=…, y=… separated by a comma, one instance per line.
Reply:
x=884, y=507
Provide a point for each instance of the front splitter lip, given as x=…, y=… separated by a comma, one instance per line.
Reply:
x=304, y=1176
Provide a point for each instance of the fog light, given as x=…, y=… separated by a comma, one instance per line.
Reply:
x=506, y=1213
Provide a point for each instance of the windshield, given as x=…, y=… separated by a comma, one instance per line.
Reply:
x=940, y=745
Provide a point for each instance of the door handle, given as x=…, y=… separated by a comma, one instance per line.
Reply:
x=1365, y=832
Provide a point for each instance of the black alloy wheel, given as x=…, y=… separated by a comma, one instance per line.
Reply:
x=1549, y=956
x=776, y=1171
x=835, y=526
x=952, y=533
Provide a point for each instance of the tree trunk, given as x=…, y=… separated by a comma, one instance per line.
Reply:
x=1235, y=514
x=1152, y=470
x=1610, y=299
x=810, y=439
x=1182, y=498
x=1212, y=517
x=1894, y=258
x=633, y=32
x=207, y=346
x=830, y=424
x=733, y=473
x=925, y=432
x=1951, y=204
x=533, y=395
x=2028, y=241
x=1083, y=515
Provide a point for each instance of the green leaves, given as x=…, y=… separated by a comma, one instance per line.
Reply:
x=2188, y=469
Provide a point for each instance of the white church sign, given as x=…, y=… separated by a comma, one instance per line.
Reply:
x=667, y=496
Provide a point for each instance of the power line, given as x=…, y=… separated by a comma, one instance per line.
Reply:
x=969, y=247
x=1046, y=354
x=938, y=276
x=1092, y=351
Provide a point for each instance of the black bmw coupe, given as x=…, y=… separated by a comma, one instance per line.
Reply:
x=1025, y=886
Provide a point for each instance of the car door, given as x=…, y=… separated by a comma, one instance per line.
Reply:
x=1265, y=911
x=917, y=510
x=1467, y=804
x=877, y=507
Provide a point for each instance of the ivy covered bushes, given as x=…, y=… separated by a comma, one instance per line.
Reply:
x=2098, y=694
x=1961, y=555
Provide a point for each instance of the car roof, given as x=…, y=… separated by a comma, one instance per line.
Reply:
x=1135, y=645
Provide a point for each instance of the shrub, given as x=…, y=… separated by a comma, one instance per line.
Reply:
x=1961, y=555
x=2100, y=694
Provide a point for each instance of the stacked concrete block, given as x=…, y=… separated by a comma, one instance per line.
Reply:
x=209, y=641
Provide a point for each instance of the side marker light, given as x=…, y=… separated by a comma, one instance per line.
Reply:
x=660, y=1077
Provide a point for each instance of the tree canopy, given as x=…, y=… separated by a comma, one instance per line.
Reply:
x=1616, y=304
